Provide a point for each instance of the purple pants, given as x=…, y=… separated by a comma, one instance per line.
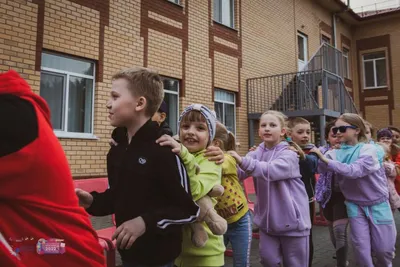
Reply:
x=372, y=229
x=292, y=251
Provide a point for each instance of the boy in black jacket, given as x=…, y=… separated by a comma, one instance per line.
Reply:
x=149, y=191
x=300, y=133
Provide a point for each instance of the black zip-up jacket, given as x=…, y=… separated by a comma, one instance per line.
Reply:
x=308, y=168
x=150, y=181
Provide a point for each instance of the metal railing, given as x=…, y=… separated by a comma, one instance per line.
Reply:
x=377, y=8
x=326, y=58
x=318, y=86
x=283, y=92
x=299, y=91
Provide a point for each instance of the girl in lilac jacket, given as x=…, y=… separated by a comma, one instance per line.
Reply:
x=282, y=210
x=362, y=180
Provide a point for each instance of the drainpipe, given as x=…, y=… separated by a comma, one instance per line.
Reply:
x=334, y=30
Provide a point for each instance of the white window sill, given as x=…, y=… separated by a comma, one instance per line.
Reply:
x=89, y=136
x=378, y=87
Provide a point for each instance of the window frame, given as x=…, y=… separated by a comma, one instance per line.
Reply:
x=176, y=2
x=178, y=98
x=375, y=51
x=67, y=74
x=233, y=10
x=226, y=103
x=346, y=55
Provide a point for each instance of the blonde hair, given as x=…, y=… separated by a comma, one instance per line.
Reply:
x=371, y=128
x=357, y=121
x=146, y=83
x=292, y=122
x=279, y=115
x=227, y=139
x=283, y=121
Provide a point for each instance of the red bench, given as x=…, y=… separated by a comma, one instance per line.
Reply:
x=100, y=185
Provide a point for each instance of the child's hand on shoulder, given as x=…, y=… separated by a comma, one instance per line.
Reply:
x=214, y=153
x=337, y=146
x=294, y=150
x=236, y=156
x=253, y=148
x=319, y=154
x=167, y=140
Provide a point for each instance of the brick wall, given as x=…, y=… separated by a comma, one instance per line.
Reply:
x=381, y=106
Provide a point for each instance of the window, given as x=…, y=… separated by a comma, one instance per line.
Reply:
x=375, y=70
x=346, y=63
x=171, y=97
x=67, y=84
x=175, y=1
x=225, y=109
x=325, y=39
x=224, y=12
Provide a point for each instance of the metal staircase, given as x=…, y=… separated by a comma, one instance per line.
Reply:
x=316, y=91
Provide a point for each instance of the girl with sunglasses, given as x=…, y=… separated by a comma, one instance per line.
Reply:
x=362, y=180
x=331, y=199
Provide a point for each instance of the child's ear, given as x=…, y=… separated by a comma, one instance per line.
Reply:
x=284, y=131
x=163, y=116
x=141, y=103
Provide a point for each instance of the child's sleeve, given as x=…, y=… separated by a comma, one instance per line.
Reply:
x=174, y=182
x=188, y=160
x=209, y=176
x=285, y=166
x=390, y=170
x=103, y=203
x=366, y=164
x=242, y=175
x=321, y=166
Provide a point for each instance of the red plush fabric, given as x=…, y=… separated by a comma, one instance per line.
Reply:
x=37, y=192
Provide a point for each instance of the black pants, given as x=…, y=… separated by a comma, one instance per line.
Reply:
x=312, y=209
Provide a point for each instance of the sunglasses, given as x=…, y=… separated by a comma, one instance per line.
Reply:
x=342, y=129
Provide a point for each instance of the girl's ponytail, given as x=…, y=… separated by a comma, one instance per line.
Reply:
x=225, y=137
x=231, y=142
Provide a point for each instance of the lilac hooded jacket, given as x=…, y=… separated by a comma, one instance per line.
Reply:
x=362, y=182
x=282, y=206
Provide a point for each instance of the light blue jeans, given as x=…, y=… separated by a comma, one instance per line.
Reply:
x=239, y=234
x=127, y=264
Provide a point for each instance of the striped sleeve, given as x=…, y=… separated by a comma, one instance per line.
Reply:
x=179, y=207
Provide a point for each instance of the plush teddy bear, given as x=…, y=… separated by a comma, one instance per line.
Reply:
x=216, y=223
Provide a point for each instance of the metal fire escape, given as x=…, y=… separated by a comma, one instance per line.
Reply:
x=317, y=92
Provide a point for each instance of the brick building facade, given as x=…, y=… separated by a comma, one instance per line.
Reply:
x=206, y=50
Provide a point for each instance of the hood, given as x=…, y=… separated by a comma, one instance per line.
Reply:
x=12, y=83
x=279, y=147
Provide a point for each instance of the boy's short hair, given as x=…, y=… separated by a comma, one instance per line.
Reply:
x=144, y=82
x=292, y=122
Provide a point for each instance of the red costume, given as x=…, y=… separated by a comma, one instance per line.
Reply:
x=37, y=198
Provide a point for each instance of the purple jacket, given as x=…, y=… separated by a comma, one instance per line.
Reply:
x=282, y=206
x=362, y=182
x=323, y=188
